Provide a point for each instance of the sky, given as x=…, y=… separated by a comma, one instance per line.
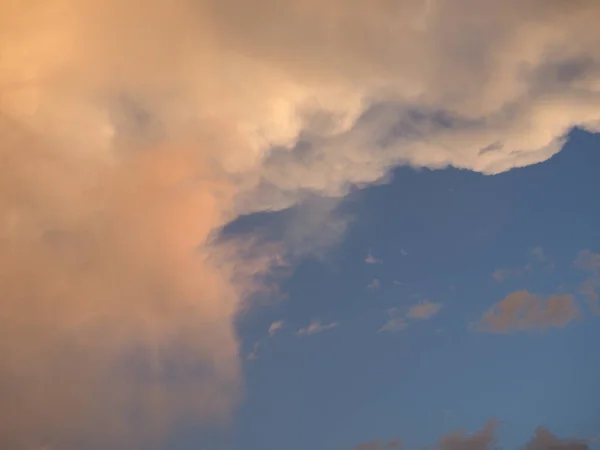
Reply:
x=297, y=224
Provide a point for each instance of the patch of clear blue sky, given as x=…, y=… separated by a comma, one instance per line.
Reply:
x=334, y=390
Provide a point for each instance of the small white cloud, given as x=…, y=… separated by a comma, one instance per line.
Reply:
x=315, y=326
x=370, y=259
x=423, y=311
x=395, y=323
x=375, y=284
x=275, y=327
x=254, y=353
x=403, y=252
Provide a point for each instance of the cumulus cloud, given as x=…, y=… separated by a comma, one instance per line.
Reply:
x=485, y=439
x=315, y=326
x=133, y=131
x=523, y=311
x=424, y=310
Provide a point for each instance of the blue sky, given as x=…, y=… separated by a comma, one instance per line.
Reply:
x=434, y=236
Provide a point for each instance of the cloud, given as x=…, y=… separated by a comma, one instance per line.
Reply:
x=501, y=275
x=420, y=311
x=131, y=135
x=461, y=440
x=523, y=311
x=370, y=259
x=315, y=326
x=485, y=439
x=588, y=260
x=275, y=327
x=545, y=440
x=253, y=355
x=114, y=289
x=538, y=254
x=423, y=311
x=395, y=323
x=379, y=445
x=374, y=285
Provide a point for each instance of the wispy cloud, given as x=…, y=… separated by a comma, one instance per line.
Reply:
x=501, y=275
x=370, y=259
x=395, y=323
x=398, y=320
x=275, y=327
x=523, y=311
x=538, y=254
x=254, y=352
x=588, y=260
x=315, y=326
x=424, y=310
x=374, y=285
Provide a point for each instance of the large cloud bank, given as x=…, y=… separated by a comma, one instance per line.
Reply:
x=132, y=131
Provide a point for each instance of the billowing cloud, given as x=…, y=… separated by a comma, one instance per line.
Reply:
x=133, y=131
x=424, y=310
x=315, y=326
x=523, y=311
x=485, y=439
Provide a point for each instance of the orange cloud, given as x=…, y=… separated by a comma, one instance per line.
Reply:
x=117, y=306
x=423, y=311
x=485, y=439
x=131, y=132
x=521, y=311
